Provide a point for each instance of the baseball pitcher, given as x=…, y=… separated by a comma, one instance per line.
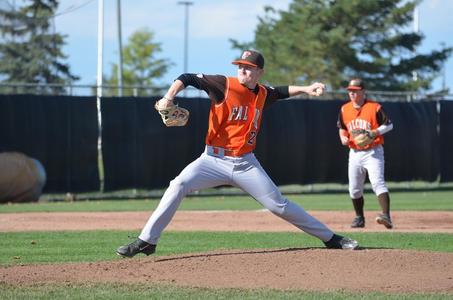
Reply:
x=362, y=123
x=237, y=106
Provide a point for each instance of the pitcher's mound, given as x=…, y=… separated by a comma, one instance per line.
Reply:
x=383, y=270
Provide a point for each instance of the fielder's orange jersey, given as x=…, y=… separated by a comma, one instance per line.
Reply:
x=355, y=120
x=234, y=123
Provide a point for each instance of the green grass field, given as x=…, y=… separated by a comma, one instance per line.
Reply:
x=133, y=292
x=86, y=246
x=90, y=246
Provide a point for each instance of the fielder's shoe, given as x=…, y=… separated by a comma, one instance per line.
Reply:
x=341, y=242
x=358, y=222
x=385, y=220
x=136, y=247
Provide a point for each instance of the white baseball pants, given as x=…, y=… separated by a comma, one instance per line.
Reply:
x=361, y=162
x=244, y=172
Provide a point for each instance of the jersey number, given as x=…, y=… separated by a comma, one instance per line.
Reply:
x=251, y=140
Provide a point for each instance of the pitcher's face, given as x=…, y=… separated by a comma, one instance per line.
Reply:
x=249, y=75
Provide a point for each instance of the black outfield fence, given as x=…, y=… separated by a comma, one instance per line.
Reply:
x=298, y=143
x=61, y=132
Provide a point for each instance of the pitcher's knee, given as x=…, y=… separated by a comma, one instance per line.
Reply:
x=278, y=209
x=275, y=203
x=179, y=186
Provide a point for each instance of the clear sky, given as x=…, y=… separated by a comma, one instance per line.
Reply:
x=211, y=24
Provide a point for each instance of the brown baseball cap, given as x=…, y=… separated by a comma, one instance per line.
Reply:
x=356, y=84
x=251, y=58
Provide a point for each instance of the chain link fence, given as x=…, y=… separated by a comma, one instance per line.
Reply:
x=88, y=90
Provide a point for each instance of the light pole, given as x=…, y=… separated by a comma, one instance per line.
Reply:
x=99, y=82
x=99, y=75
x=186, y=34
x=120, y=50
x=416, y=30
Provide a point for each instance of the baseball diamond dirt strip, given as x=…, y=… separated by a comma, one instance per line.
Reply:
x=317, y=269
x=257, y=221
x=262, y=221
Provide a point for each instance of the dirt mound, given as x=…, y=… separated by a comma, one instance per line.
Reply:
x=314, y=269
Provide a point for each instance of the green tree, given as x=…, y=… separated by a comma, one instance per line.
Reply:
x=333, y=40
x=29, y=50
x=141, y=67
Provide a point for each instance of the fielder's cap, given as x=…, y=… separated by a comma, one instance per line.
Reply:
x=356, y=84
x=251, y=58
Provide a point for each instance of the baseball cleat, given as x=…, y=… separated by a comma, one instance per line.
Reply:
x=358, y=222
x=341, y=242
x=385, y=220
x=136, y=247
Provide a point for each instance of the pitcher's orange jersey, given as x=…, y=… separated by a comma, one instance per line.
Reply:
x=234, y=123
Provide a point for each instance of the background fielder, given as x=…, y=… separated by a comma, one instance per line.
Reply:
x=237, y=105
x=362, y=123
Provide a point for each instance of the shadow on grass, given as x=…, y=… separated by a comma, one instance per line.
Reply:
x=242, y=252
x=253, y=252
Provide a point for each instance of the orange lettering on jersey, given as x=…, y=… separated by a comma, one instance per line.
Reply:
x=234, y=123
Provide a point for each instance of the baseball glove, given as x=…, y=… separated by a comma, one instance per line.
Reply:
x=364, y=138
x=171, y=114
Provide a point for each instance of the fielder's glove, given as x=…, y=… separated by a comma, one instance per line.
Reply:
x=364, y=138
x=171, y=114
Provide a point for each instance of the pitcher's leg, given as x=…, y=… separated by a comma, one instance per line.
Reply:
x=200, y=174
x=254, y=180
